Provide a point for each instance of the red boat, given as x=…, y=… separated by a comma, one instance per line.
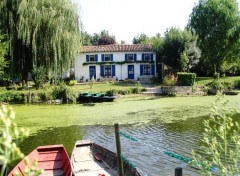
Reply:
x=53, y=159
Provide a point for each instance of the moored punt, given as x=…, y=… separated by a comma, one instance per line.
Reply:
x=52, y=159
x=96, y=97
x=90, y=159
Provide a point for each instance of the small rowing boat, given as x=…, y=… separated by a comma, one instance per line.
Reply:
x=96, y=97
x=52, y=159
x=90, y=159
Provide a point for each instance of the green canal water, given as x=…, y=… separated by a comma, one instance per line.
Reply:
x=159, y=124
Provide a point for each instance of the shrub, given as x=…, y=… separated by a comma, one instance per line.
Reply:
x=172, y=94
x=72, y=82
x=220, y=141
x=12, y=97
x=216, y=76
x=186, y=79
x=228, y=85
x=237, y=84
x=62, y=91
x=169, y=82
x=137, y=89
x=39, y=75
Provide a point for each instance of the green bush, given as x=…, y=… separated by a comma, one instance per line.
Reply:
x=237, y=84
x=186, y=79
x=62, y=91
x=228, y=85
x=39, y=75
x=216, y=84
x=12, y=97
x=216, y=76
x=169, y=82
x=72, y=82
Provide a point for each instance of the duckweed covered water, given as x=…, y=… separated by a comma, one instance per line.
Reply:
x=160, y=124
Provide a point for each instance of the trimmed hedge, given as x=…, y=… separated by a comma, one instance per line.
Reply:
x=186, y=79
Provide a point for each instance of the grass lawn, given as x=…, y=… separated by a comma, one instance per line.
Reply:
x=205, y=80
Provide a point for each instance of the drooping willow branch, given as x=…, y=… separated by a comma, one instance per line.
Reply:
x=49, y=29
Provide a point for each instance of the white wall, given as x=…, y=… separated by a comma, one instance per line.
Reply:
x=121, y=70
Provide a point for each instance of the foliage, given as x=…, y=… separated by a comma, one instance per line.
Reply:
x=179, y=45
x=62, y=91
x=221, y=141
x=3, y=52
x=12, y=97
x=92, y=82
x=72, y=82
x=103, y=38
x=39, y=76
x=10, y=137
x=106, y=40
x=172, y=94
x=141, y=39
x=216, y=22
x=169, y=80
x=138, y=88
x=186, y=79
x=42, y=32
x=216, y=76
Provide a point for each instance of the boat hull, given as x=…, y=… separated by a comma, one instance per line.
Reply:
x=91, y=159
x=53, y=160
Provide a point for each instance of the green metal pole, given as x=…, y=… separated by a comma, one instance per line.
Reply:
x=118, y=144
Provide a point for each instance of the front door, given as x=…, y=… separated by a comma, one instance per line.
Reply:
x=130, y=71
x=92, y=72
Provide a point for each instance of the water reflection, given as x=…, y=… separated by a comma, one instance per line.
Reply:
x=154, y=138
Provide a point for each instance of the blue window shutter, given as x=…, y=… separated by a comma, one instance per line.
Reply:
x=142, y=56
x=135, y=57
x=153, y=69
x=141, y=70
x=96, y=57
x=126, y=57
x=102, y=57
x=151, y=56
x=87, y=58
x=111, y=56
x=113, y=70
x=102, y=70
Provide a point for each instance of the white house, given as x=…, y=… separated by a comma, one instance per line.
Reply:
x=116, y=62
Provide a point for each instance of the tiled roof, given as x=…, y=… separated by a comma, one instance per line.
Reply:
x=116, y=48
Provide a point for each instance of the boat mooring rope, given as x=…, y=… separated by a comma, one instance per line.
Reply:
x=171, y=154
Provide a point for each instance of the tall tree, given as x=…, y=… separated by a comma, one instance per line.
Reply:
x=141, y=39
x=217, y=24
x=3, y=52
x=105, y=38
x=180, y=50
x=42, y=32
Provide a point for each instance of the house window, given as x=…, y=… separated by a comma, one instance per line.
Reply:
x=107, y=70
x=107, y=57
x=130, y=57
x=146, y=69
x=146, y=57
x=91, y=58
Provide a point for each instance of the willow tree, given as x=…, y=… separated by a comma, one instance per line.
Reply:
x=42, y=33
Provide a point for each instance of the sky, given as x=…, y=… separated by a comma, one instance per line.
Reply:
x=126, y=19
